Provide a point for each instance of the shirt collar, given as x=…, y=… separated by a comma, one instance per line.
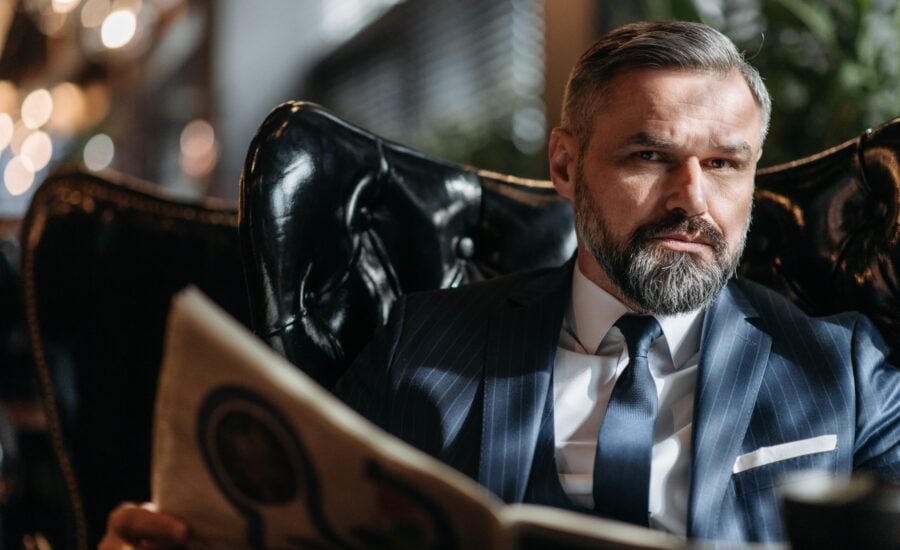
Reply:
x=593, y=312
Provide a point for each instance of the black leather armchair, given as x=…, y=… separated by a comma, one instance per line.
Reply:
x=336, y=222
x=101, y=258
x=826, y=230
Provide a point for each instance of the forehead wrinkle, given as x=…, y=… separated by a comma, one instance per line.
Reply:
x=671, y=120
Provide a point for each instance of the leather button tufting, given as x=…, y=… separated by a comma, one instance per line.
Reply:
x=465, y=248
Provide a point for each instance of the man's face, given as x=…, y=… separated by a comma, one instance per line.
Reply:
x=663, y=190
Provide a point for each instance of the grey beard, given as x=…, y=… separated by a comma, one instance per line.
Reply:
x=666, y=282
x=654, y=279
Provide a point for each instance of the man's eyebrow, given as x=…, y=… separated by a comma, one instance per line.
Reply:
x=647, y=140
x=644, y=139
x=740, y=149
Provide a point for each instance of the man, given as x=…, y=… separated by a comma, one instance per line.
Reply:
x=640, y=381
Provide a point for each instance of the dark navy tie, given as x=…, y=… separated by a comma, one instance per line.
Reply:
x=625, y=441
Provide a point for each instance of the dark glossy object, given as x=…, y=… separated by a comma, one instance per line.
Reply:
x=32, y=498
x=337, y=222
x=101, y=260
x=840, y=513
x=826, y=230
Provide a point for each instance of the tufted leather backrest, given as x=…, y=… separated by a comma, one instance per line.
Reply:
x=101, y=258
x=336, y=222
x=826, y=230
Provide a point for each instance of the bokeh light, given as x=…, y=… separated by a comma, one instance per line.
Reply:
x=94, y=13
x=198, y=148
x=9, y=98
x=19, y=135
x=118, y=29
x=97, y=96
x=18, y=175
x=37, y=108
x=51, y=23
x=99, y=152
x=6, y=130
x=38, y=148
x=64, y=6
x=70, y=108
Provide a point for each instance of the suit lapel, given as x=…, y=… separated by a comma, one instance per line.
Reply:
x=522, y=342
x=733, y=358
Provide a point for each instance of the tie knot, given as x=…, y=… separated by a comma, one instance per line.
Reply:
x=640, y=331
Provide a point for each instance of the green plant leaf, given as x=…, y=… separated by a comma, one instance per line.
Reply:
x=815, y=17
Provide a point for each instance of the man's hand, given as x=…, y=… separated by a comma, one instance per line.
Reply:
x=142, y=526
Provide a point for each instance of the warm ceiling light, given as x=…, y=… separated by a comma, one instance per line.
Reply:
x=38, y=148
x=6, y=130
x=18, y=175
x=118, y=29
x=96, y=94
x=197, y=138
x=51, y=23
x=94, y=13
x=198, y=148
x=37, y=108
x=70, y=108
x=9, y=97
x=64, y=6
x=19, y=135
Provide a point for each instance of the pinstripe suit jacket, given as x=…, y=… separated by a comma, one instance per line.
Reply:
x=463, y=374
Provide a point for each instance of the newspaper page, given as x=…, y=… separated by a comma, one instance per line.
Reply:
x=254, y=454
x=532, y=527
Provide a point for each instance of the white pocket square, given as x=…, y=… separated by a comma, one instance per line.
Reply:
x=784, y=451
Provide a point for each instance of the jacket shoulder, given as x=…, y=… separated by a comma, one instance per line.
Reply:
x=769, y=303
x=496, y=287
x=779, y=316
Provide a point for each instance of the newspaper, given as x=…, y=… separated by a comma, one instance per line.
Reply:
x=254, y=454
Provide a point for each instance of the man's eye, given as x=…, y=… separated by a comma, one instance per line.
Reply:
x=647, y=155
x=720, y=163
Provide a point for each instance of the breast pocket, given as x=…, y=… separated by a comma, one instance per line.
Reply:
x=756, y=490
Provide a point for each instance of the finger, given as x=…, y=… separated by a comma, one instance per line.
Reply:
x=135, y=524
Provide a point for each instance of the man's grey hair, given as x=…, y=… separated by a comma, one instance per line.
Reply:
x=662, y=44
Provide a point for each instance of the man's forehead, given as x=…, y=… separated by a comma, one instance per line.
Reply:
x=677, y=82
x=622, y=75
x=646, y=98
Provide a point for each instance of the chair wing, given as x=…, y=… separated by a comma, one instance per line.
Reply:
x=826, y=230
x=101, y=259
x=337, y=222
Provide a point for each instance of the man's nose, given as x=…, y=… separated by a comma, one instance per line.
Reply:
x=686, y=188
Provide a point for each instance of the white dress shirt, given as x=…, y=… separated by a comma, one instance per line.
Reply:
x=583, y=382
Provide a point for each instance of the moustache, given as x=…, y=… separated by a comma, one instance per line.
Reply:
x=679, y=222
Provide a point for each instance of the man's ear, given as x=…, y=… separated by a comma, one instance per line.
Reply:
x=563, y=154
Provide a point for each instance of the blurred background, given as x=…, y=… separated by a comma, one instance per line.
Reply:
x=172, y=91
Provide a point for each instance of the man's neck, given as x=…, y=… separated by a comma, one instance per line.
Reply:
x=592, y=270
x=593, y=311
